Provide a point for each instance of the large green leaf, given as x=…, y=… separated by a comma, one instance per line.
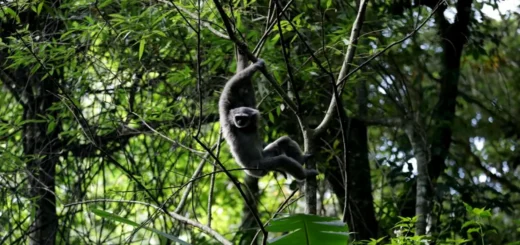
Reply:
x=309, y=229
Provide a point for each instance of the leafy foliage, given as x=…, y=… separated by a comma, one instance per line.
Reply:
x=101, y=101
x=123, y=220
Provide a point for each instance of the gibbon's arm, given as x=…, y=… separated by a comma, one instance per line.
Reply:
x=243, y=76
x=238, y=90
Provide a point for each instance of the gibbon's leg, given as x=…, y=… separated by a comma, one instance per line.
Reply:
x=257, y=173
x=285, y=164
x=287, y=146
x=271, y=150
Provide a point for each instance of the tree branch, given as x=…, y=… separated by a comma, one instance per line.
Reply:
x=243, y=47
x=202, y=227
x=237, y=184
x=347, y=64
x=478, y=163
x=123, y=134
x=344, y=79
x=386, y=122
x=204, y=23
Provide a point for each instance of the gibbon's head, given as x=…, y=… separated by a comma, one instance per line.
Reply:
x=244, y=117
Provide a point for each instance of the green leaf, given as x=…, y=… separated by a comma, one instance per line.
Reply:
x=160, y=33
x=141, y=47
x=105, y=3
x=485, y=213
x=161, y=18
x=276, y=37
x=50, y=127
x=468, y=207
x=309, y=229
x=40, y=6
x=35, y=68
x=113, y=217
x=329, y=3
x=473, y=230
x=117, y=16
x=33, y=121
x=271, y=117
x=12, y=13
x=373, y=241
x=469, y=223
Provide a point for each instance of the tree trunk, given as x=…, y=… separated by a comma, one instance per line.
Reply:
x=41, y=144
x=41, y=147
x=361, y=218
x=418, y=141
x=431, y=161
x=359, y=215
x=454, y=37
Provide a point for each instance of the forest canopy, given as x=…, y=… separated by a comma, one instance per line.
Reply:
x=110, y=131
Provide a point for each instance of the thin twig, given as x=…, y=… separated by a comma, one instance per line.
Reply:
x=286, y=58
x=212, y=180
x=342, y=80
x=235, y=182
x=261, y=42
x=282, y=206
x=166, y=137
x=243, y=47
x=196, y=174
x=199, y=71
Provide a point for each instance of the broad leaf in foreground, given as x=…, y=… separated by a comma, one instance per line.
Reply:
x=309, y=229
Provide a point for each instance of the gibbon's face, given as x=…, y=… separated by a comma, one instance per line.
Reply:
x=243, y=117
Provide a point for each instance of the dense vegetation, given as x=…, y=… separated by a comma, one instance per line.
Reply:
x=109, y=126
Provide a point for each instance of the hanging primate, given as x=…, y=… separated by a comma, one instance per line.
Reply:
x=239, y=122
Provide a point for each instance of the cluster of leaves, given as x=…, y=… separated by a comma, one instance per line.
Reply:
x=312, y=229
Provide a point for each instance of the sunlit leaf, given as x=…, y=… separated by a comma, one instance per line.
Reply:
x=141, y=48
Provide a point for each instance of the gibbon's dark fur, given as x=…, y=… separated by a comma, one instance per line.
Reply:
x=239, y=122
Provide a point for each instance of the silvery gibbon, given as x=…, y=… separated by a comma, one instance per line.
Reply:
x=239, y=122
